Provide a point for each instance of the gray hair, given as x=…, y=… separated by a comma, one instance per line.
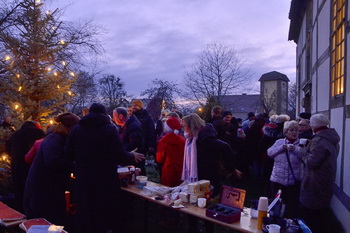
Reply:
x=121, y=110
x=319, y=120
x=273, y=118
x=290, y=124
x=282, y=118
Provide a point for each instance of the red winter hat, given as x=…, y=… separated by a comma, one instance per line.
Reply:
x=173, y=123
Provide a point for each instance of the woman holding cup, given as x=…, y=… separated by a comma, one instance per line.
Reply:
x=286, y=173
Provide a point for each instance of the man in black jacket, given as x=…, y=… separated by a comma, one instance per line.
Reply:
x=130, y=130
x=95, y=146
x=148, y=127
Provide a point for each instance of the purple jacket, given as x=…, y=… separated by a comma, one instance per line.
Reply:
x=281, y=172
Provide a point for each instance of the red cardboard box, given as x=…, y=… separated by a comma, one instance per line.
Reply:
x=230, y=207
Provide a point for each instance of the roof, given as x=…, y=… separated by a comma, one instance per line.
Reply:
x=296, y=11
x=241, y=103
x=274, y=75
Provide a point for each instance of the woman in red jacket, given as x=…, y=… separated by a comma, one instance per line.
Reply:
x=170, y=153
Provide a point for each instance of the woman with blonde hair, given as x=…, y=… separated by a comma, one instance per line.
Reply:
x=205, y=155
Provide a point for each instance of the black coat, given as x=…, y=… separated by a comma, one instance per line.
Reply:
x=47, y=181
x=18, y=145
x=213, y=155
x=95, y=146
x=219, y=126
x=131, y=134
x=148, y=129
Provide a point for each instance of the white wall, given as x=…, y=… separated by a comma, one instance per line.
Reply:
x=336, y=116
x=323, y=29
x=323, y=87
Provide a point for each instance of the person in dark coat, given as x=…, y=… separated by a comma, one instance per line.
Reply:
x=130, y=130
x=49, y=174
x=212, y=155
x=7, y=124
x=319, y=173
x=305, y=130
x=148, y=127
x=18, y=145
x=205, y=157
x=95, y=146
x=217, y=121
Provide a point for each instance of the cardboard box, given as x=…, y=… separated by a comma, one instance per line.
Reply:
x=230, y=207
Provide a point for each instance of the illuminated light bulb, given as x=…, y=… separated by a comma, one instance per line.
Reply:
x=58, y=86
x=53, y=28
x=69, y=93
x=64, y=63
x=20, y=88
x=51, y=122
x=17, y=75
x=55, y=74
x=49, y=69
x=72, y=74
x=16, y=106
x=48, y=12
x=62, y=41
x=7, y=57
x=4, y=157
x=38, y=1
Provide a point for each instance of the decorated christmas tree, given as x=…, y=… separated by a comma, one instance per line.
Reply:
x=39, y=56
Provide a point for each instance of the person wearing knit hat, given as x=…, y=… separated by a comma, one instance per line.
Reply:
x=138, y=104
x=318, y=121
x=50, y=165
x=319, y=172
x=170, y=153
x=172, y=125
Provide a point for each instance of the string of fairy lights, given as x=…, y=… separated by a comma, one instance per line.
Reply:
x=55, y=73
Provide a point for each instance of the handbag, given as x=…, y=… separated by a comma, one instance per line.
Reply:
x=296, y=182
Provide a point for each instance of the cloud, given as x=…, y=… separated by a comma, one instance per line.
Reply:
x=158, y=38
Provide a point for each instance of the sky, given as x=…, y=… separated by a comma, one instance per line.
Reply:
x=148, y=39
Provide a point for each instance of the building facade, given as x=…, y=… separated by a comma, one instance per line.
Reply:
x=274, y=92
x=320, y=28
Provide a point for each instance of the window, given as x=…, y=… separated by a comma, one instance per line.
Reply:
x=338, y=35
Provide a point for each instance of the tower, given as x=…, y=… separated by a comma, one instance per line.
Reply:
x=274, y=92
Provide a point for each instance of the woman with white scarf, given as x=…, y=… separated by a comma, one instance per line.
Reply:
x=205, y=155
x=204, y=159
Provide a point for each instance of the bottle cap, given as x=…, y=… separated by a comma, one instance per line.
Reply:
x=263, y=204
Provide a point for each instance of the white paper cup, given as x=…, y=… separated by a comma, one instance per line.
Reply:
x=202, y=202
x=303, y=141
x=273, y=228
x=263, y=204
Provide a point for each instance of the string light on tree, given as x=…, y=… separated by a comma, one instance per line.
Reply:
x=7, y=57
x=62, y=42
x=20, y=88
x=72, y=74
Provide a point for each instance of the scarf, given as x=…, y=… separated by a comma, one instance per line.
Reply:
x=189, y=169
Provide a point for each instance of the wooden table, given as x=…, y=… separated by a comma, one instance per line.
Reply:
x=246, y=224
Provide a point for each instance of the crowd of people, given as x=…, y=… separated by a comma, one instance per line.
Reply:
x=297, y=157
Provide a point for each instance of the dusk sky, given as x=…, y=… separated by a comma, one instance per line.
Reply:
x=152, y=39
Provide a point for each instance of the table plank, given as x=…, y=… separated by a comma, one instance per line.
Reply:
x=246, y=224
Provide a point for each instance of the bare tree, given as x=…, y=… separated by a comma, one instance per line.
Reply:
x=219, y=72
x=112, y=91
x=162, y=94
x=269, y=102
x=84, y=90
